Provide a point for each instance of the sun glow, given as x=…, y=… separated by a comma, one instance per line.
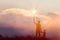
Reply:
x=34, y=11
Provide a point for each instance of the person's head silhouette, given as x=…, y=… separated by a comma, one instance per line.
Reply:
x=38, y=21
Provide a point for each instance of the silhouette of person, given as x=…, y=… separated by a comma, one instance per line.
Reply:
x=38, y=28
x=44, y=34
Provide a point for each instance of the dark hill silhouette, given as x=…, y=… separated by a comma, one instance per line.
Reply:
x=7, y=31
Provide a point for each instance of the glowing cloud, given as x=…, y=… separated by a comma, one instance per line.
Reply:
x=19, y=18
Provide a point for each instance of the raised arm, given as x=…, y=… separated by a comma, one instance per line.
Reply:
x=34, y=20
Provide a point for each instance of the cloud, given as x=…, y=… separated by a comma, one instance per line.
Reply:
x=18, y=19
x=21, y=20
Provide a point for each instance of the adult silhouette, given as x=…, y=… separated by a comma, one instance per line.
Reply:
x=38, y=27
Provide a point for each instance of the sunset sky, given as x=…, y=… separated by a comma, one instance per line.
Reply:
x=41, y=5
x=16, y=15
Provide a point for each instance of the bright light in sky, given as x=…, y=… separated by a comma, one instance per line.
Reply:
x=34, y=11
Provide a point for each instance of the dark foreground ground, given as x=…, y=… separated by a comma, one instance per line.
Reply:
x=27, y=38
